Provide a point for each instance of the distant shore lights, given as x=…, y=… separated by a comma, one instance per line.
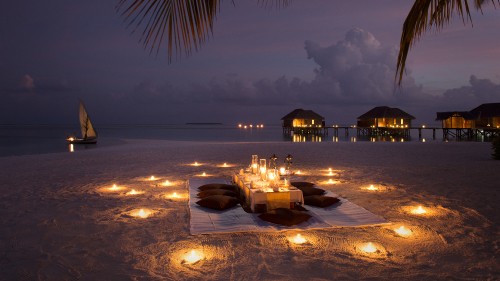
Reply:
x=245, y=126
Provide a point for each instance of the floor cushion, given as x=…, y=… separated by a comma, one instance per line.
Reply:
x=320, y=200
x=210, y=192
x=224, y=186
x=218, y=202
x=285, y=216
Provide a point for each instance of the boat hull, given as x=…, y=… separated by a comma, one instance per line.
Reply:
x=82, y=141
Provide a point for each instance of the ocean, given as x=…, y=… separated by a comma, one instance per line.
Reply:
x=40, y=139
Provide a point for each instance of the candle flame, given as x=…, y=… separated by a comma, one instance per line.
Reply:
x=403, y=231
x=224, y=165
x=152, y=178
x=419, y=210
x=134, y=192
x=196, y=164
x=193, y=257
x=372, y=187
x=167, y=183
x=369, y=248
x=298, y=239
x=204, y=174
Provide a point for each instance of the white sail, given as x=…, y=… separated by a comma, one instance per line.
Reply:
x=88, y=131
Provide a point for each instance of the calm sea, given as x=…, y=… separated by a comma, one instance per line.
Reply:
x=40, y=139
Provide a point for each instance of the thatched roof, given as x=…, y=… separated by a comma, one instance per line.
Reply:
x=464, y=114
x=386, y=112
x=300, y=113
x=486, y=110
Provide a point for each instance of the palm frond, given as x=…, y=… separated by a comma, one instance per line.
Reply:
x=186, y=24
x=427, y=14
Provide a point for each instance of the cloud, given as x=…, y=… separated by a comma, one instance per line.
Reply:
x=467, y=97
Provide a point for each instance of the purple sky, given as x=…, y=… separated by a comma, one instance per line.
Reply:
x=334, y=57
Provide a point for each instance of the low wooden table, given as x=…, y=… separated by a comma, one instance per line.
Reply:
x=261, y=197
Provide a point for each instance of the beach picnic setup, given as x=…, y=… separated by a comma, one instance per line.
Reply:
x=269, y=198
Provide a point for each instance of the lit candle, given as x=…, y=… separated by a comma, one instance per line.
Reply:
x=371, y=187
x=369, y=248
x=152, y=178
x=224, y=165
x=403, y=231
x=298, y=239
x=134, y=192
x=282, y=170
x=167, y=183
x=203, y=174
x=419, y=210
x=193, y=257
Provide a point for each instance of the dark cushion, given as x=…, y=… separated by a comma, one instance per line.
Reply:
x=218, y=202
x=285, y=216
x=320, y=200
x=203, y=194
x=224, y=186
x=309, y=190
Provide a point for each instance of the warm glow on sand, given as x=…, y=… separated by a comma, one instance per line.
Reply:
x=298, y=239
x=419, y=210
x=111, y=189
x=135, y=192
x=153, y=178
x=192, y=257
x=203, y=175
x=368, y=248
x=175, y=195
x=331, y=181
x=403, y=231
x=299, y=173
x=196, y=164
x=141, y=213
x=167, y=183
x=372, y=188
x=225, y=165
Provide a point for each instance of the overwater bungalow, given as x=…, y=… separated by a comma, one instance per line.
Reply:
x=487, y=115
x=456, y=119
x=481, y=122
x=303, y=121
x=384, y=120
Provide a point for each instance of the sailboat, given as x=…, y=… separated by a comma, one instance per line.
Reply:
x=89, y=135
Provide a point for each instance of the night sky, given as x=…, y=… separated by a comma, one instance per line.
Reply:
x=337, y=58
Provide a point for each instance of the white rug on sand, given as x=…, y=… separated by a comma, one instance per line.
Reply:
x=204, y=220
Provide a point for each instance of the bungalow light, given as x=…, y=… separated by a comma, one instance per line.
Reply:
x=403, y=231
x=192, y=257
x=298, y=239
x=369, y=248
x=239, y=125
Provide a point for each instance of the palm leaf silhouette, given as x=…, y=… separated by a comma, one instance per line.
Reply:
x=427, y=14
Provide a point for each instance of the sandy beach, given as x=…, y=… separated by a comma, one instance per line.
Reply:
x=59, y=221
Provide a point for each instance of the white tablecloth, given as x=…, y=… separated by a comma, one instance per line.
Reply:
x=258, y=192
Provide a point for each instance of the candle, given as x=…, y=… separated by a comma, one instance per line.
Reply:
x=403, y=231
x=369, y=248
x=298, y=239
x=192, y=257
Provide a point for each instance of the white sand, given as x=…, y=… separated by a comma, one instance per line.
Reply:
x=58, y=222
